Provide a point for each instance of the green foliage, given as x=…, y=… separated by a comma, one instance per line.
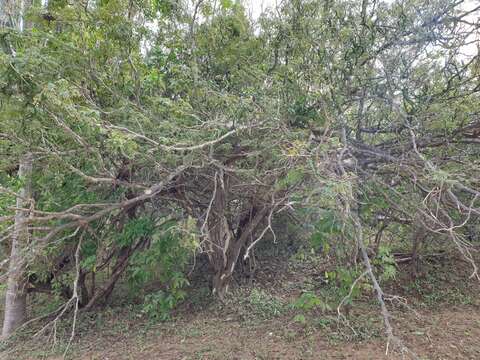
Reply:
x=7, y=198
x=386, y=262
x=327, y=227
x=257, y=304
x=302, y=114
x=292, y=178
x=164, y=6
x=310, y=301
x=316, y=105
x=164, y=261
x=134, y=230
x=160, y=304
x=341, y=281
x=264, y=304
x=226, y=4
x=300, y=318
x=306, y=303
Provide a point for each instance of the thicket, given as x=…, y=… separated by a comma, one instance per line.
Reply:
x=140, y=139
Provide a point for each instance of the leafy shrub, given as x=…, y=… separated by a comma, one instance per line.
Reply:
x=164, y=261
x=386, y=263
x=160, y=304
x=327, y=227
x=341, y=281
x=308, y=301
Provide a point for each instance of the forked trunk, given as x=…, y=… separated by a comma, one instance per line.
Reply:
x=16, y=295
x=225, y=249
x=220, y=241
x=221, y=280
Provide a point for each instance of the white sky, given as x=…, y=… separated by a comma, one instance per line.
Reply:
x=257, y=6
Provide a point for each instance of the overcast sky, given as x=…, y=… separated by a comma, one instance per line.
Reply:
x=257, y=6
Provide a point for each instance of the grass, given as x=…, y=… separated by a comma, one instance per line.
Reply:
x=443, y=283
x=253, y=305
x=257, y=317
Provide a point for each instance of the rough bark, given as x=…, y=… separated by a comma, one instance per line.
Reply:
x=12, y=14
x=16, y=295
x=230, y=253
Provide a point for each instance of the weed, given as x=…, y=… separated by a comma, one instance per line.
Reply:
x=264, y=304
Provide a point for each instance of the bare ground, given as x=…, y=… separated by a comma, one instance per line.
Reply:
x=451, y=333
x=441, y=321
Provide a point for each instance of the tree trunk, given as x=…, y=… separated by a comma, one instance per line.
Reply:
x=16, y=296
x=224, y=256
x=419, y=234
x=12, y=14
x=118, y=269
x=220, y=283
x=220, y=240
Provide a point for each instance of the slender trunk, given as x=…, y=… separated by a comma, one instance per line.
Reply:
x=16, y=296
x=12, y=14
x=419, y=235
x=120, y=266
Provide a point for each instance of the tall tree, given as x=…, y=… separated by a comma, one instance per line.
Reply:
x=16, y=295
x=12, y=14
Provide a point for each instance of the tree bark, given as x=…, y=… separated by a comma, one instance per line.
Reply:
x=418, y=236
x=16, y=296
x=224, y=270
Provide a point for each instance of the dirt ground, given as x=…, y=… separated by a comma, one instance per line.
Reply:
x=441, y=321
x=444, y=334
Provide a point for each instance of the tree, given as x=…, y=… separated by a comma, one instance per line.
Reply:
x=12, y=14
x=16, y=293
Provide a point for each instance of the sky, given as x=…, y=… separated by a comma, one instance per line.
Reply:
x=256, y=7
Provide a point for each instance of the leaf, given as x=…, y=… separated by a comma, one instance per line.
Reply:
x=300, y=318
x=226, y=4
